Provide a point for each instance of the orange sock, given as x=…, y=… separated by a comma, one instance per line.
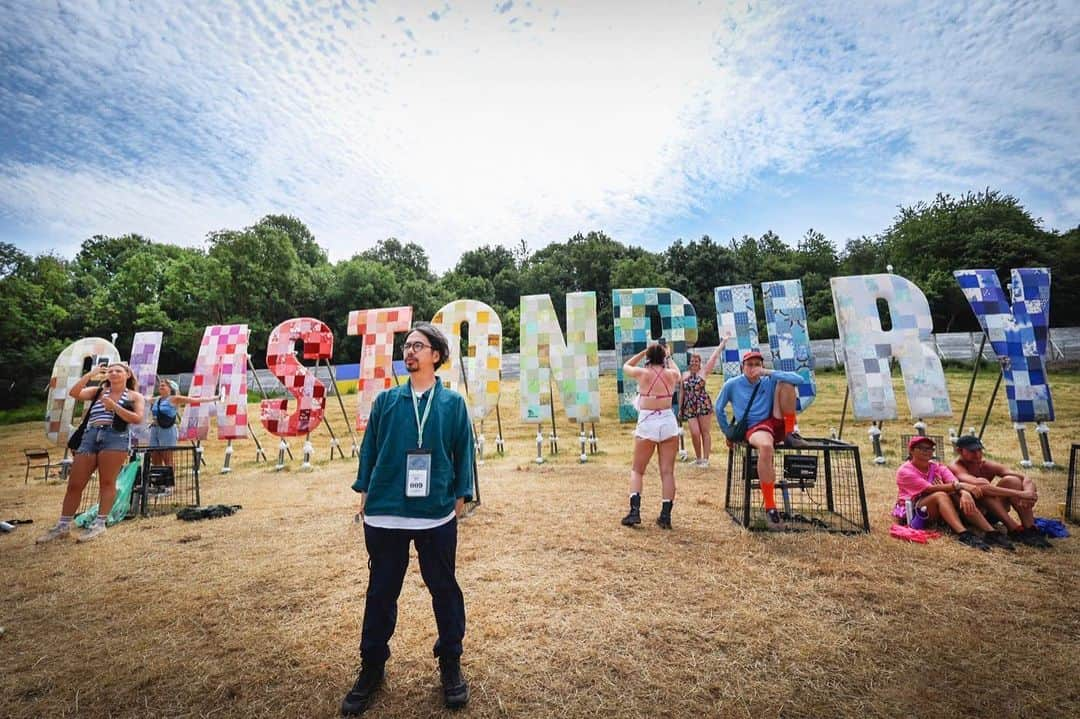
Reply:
x=767, y=495
x=789, y=423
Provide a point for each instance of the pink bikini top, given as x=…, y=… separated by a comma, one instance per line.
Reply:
x=657, y=376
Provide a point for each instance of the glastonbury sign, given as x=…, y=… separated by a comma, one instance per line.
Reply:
x=566, y=365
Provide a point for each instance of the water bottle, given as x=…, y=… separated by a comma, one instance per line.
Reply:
x=919, y=519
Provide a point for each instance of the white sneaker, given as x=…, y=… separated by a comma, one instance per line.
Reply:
x=93, y=531
x=703, y=463
x=56, y=532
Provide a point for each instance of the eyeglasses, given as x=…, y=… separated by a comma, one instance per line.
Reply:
x=414, y=347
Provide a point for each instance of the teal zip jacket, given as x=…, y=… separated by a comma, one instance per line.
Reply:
x=391, y=432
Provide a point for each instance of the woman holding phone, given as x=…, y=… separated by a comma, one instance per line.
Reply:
x=113, y=405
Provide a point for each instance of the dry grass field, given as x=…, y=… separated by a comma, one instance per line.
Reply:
x=570, y=614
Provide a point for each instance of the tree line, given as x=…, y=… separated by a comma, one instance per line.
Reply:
x=275, y=269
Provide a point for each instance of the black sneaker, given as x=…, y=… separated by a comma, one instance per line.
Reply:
x=1032, y=537
x=772, y=521
x=795, y=441
x=997, y=539
x=455, y=688
x=369, y=680
x=972, y=540
x=634, y=517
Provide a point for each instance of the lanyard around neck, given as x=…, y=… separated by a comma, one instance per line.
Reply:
x=421, y=421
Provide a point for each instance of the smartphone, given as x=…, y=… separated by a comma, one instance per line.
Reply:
x=102, y=361
x=662, y=341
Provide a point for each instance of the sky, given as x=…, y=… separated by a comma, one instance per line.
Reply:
x=457, y=125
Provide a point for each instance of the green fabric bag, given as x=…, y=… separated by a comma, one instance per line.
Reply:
x=125, y=482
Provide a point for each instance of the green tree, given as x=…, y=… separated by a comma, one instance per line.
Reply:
x=35, y=297
x=581, y=264
x=267, y=282
x=926, y=242
x=404, y=260
x=307, y=250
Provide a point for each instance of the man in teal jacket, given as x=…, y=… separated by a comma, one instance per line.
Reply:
x=416, y=472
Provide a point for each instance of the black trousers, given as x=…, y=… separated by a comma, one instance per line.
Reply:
x=388, y=552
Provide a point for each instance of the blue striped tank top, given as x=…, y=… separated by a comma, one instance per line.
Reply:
x=99, y=416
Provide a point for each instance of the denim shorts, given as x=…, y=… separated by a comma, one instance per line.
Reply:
x=163, y=436
x=103, y=439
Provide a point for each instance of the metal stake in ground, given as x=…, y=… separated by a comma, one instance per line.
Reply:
x=341, y=403
x=478, y=437
x=262, y=391
x=330, y=428
x=225, y=468
x=1044, y=441
x=308, y=449
x=971, y=384
x=554, y=430
x=260, y=454
x=990, y=405
x=1019, y=427
x=875, y=438
x=282, y=448
x=499, y=440
x=843, y=412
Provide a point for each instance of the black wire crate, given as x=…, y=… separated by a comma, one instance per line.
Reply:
x=818, y=488
x=168, y=480
x=1072, y=501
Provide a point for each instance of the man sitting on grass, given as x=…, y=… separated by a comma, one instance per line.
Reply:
x=1012, y=491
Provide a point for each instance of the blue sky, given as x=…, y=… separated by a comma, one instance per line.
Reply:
x=455, y=125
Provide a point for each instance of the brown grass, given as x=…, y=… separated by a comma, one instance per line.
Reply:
x=570, y=614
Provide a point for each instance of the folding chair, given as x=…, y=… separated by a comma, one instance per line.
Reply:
x=35, y=459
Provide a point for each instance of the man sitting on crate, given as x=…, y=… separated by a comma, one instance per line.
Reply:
x=766, y=398
x=1012, y=491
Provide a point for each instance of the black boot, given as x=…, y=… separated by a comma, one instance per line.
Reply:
x=369, y=680
x=455, y=688
x=664, y=520
x=634, y=517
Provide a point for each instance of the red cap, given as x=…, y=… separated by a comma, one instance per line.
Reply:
x=918, y=439
x=752, y=354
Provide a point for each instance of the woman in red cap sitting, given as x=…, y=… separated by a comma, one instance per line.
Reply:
x=932, y=487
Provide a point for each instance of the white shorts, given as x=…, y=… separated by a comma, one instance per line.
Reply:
x=656, y=425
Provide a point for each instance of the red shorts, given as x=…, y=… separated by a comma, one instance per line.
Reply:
x=770, y=424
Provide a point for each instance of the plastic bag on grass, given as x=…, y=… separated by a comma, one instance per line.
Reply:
x=125, y=482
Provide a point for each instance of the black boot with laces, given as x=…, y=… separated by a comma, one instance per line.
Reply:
x=455, y=688
x=367, y=683
x=634, y=517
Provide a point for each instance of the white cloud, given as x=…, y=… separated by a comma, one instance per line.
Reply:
x=461, y=125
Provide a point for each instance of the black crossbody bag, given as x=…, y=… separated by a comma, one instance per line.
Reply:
x=737, y=431
x=76, y=437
